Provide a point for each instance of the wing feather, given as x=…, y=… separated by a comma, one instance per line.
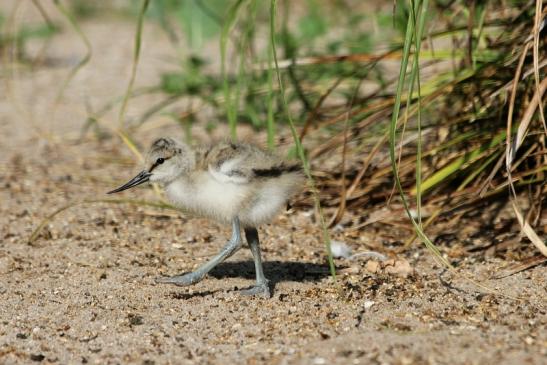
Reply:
x=228, y=163
x=242, y=163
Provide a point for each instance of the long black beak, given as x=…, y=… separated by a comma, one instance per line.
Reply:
x=142, y=177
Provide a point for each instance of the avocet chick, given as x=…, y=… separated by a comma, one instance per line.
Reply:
x=228, y=182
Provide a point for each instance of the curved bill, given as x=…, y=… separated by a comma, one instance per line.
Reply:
x=142, y=177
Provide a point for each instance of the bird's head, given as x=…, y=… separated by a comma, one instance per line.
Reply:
x=166, y=160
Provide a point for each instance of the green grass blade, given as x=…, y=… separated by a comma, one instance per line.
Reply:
x=86, y=42
x=242, y=75
x=444, y=173
x=231, y=107
x=416, y=75
x=270, y=122
x=298, y=144
x=478, y=170
x=136, y=56
x=411, y=32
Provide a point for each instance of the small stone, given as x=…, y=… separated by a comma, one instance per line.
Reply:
x=135, y=320
x=372, y=266
x=324, y=336
x=400, y=268
x=37, y=357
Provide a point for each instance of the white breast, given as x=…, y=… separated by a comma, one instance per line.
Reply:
x=204, y=195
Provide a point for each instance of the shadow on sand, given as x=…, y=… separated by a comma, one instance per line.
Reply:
x=275, y=271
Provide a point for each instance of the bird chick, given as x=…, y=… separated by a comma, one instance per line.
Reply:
x=227, y=182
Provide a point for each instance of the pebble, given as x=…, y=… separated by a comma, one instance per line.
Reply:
x=400, y=268
x=37, y=357
x=372, y=266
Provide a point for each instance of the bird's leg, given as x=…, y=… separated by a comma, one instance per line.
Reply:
x=228, y=250
x=262, y=284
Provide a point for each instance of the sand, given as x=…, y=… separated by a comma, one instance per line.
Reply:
x=84, y=290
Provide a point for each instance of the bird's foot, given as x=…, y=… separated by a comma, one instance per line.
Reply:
x=181, y=280
x=261, y=289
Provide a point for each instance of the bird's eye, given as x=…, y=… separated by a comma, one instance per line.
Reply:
x=160, y=160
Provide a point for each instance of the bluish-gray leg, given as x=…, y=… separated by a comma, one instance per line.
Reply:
x=228, y=250
x=262, y=285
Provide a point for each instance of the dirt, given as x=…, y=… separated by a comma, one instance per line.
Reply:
x=84, y=290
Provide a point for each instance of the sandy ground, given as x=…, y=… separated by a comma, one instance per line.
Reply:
x=84, y=291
